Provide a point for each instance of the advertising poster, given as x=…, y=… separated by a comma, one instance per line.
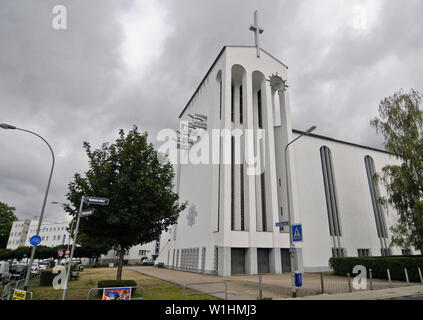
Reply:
x=117, y=294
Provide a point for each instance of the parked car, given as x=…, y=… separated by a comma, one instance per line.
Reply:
x=35, y=270
x=18, y=272
x=43, y=265
x=147, y=262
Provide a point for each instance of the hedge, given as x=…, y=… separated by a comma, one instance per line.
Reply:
x=115, y=284
x=47, y=276
x=379, y=266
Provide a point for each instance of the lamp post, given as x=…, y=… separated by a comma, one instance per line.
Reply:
x=291, y=244
x=10, y=127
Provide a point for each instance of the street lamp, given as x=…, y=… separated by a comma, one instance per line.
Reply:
x=291, y=244
x=10, y=127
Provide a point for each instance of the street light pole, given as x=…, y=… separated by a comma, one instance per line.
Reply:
x=291, y=243
x=73, y=248
x=10, y=127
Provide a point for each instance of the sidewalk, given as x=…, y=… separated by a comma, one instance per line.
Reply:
x=278, y=287
x=369, y=295
x=181, y=278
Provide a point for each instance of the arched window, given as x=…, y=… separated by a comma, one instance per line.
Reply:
x=330, y=191
x=375, y=195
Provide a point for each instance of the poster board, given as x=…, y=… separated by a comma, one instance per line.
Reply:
x=19, y=295
x=117, y=293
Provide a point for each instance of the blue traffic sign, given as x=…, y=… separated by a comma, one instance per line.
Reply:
x=297, y=233
x=35, y=240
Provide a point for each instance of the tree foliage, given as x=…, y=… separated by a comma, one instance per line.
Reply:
x=7, y=217
x=400, y=122
x=139, y=186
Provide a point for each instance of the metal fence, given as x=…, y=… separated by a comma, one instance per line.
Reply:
x=277, y=286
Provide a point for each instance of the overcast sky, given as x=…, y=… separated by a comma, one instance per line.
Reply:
x=124, y=62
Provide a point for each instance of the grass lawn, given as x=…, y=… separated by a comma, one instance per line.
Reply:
x=155, y=289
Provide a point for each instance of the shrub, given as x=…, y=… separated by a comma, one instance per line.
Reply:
x=395, y=264
x=115, y=284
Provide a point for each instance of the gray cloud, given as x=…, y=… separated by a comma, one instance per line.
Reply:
x=76, y=85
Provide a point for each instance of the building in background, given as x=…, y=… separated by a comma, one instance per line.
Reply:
x=52, y=233
x=18, y=234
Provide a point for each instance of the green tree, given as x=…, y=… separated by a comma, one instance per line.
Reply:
x=400, y=122
x=7, y=216
x=140, y=188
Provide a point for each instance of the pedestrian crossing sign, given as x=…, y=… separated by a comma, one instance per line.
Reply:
x=297, y=233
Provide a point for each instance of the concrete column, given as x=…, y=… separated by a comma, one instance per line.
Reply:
x=275, y=261
x=224, y=261
x=237, y=178
x=225, y=218
x=250, y=188
x=251, y=261
x=270, y=163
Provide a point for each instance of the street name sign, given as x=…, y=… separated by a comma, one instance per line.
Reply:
x=97, y=200
x=86, y=213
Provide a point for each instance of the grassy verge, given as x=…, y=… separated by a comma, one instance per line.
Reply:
x=155, y=289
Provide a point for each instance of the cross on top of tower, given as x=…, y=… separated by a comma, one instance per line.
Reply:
x=257, y=31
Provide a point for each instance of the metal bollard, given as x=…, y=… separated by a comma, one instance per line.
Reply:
x=322, y=283
x=406, y=276
x=389, y=278
x=420, y=274
x=371, y=279
x=260, y=288
x=349, y=282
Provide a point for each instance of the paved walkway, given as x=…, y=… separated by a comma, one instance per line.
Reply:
x=235, y=292
x=246, y=287
x=382, y=294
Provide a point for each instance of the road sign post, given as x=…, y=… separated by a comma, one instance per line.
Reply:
x=89, y=200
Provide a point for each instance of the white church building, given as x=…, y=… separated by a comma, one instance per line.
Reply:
x=230, y=224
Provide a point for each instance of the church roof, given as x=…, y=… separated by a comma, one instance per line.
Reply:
x=214, y=63
x=341, y=141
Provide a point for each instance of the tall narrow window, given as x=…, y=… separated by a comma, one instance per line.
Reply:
x=330, y=191
x=263, y=202
x=241, y=120
x=375, y=195
x=220, y=99
x=218, y=185
x=259, y=109
x=232, y=104
x=233, y=183
x=242, y=196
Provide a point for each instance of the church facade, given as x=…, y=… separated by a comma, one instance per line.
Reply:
x=232, y=224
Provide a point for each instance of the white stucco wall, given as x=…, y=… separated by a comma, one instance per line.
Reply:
x=355, y=207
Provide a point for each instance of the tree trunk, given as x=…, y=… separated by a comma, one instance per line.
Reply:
x=120, y=265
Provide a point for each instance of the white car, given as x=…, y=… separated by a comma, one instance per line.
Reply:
x=35, y=270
